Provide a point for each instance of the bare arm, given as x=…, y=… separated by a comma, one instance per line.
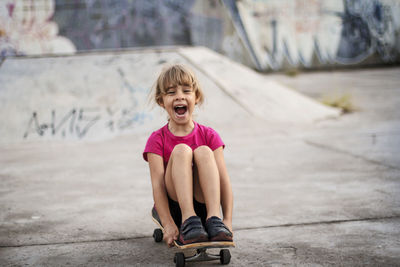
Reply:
x=226, y=188
x=156, y=165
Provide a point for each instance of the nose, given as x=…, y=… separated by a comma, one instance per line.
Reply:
x=179, y=95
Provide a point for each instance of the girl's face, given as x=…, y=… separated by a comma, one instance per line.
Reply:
x=179, y=102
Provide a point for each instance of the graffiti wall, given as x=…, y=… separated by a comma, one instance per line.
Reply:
x=26, y=28
x=30, y=27
x=263, y=34
x=80, y=97
x=317, y=33
x=111, y=24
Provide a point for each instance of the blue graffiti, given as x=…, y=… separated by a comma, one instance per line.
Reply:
x=102, y=24
x=367, y=26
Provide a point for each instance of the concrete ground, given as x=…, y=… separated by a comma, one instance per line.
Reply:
x=319, y=194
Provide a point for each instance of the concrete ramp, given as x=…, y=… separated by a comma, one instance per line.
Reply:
x=256, y=93
x=96, y=96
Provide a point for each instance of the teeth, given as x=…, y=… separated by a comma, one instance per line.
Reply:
x=176, y=107
x=180, y=110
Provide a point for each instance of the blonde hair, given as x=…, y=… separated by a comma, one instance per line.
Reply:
x=174, y=75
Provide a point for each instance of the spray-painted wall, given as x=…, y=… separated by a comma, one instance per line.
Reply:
x=26, y=28
x=318, y=33
x=263, y=34
x=64, y=26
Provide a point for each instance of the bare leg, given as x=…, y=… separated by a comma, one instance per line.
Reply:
x=209, y=180
x=179, y=179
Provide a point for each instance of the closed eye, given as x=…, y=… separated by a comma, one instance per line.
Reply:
x=187, y=89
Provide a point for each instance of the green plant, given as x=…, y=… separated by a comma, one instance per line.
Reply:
x=343, y=102
x=292, y=72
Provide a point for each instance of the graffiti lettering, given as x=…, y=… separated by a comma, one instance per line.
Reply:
x=367, y=28
x=299, y=32
x=78, y=122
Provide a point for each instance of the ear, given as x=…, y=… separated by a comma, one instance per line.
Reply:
x=198, y=99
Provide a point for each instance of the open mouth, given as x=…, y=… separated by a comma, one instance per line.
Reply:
x=180, y=110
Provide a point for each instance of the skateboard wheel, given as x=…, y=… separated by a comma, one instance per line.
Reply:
x=179, y=259
x=158, y=235
x=225, y=256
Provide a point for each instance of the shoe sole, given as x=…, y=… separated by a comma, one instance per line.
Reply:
x=222, y=237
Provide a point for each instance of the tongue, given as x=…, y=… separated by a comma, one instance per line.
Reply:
x=181, y=111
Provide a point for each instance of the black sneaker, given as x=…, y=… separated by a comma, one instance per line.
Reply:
x=217, y=230
x=192, y=231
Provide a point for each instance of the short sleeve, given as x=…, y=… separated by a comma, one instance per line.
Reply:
x=214, y=141
x=154, y=145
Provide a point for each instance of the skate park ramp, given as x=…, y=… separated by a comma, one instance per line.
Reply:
x=75, y=190
x=97, y=96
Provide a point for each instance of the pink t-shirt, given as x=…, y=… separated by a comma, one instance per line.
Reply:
x=162, y=141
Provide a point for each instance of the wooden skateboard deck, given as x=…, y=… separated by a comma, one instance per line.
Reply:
x=215, y=244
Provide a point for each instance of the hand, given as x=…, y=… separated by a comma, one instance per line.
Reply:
x=228, y=224
x=171, y=233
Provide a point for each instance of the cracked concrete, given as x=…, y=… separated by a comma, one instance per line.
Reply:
x=318, y=194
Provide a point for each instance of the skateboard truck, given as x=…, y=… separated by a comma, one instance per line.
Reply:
x=201, y=254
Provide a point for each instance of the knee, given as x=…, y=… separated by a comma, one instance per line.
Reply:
x=203, y=153
x=182, y=150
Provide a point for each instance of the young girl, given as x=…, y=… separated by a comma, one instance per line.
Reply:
x=189, y=178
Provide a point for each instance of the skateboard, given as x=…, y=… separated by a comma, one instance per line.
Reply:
x=201, y=254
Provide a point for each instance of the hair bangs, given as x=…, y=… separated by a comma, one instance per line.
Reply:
x=177, y=75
